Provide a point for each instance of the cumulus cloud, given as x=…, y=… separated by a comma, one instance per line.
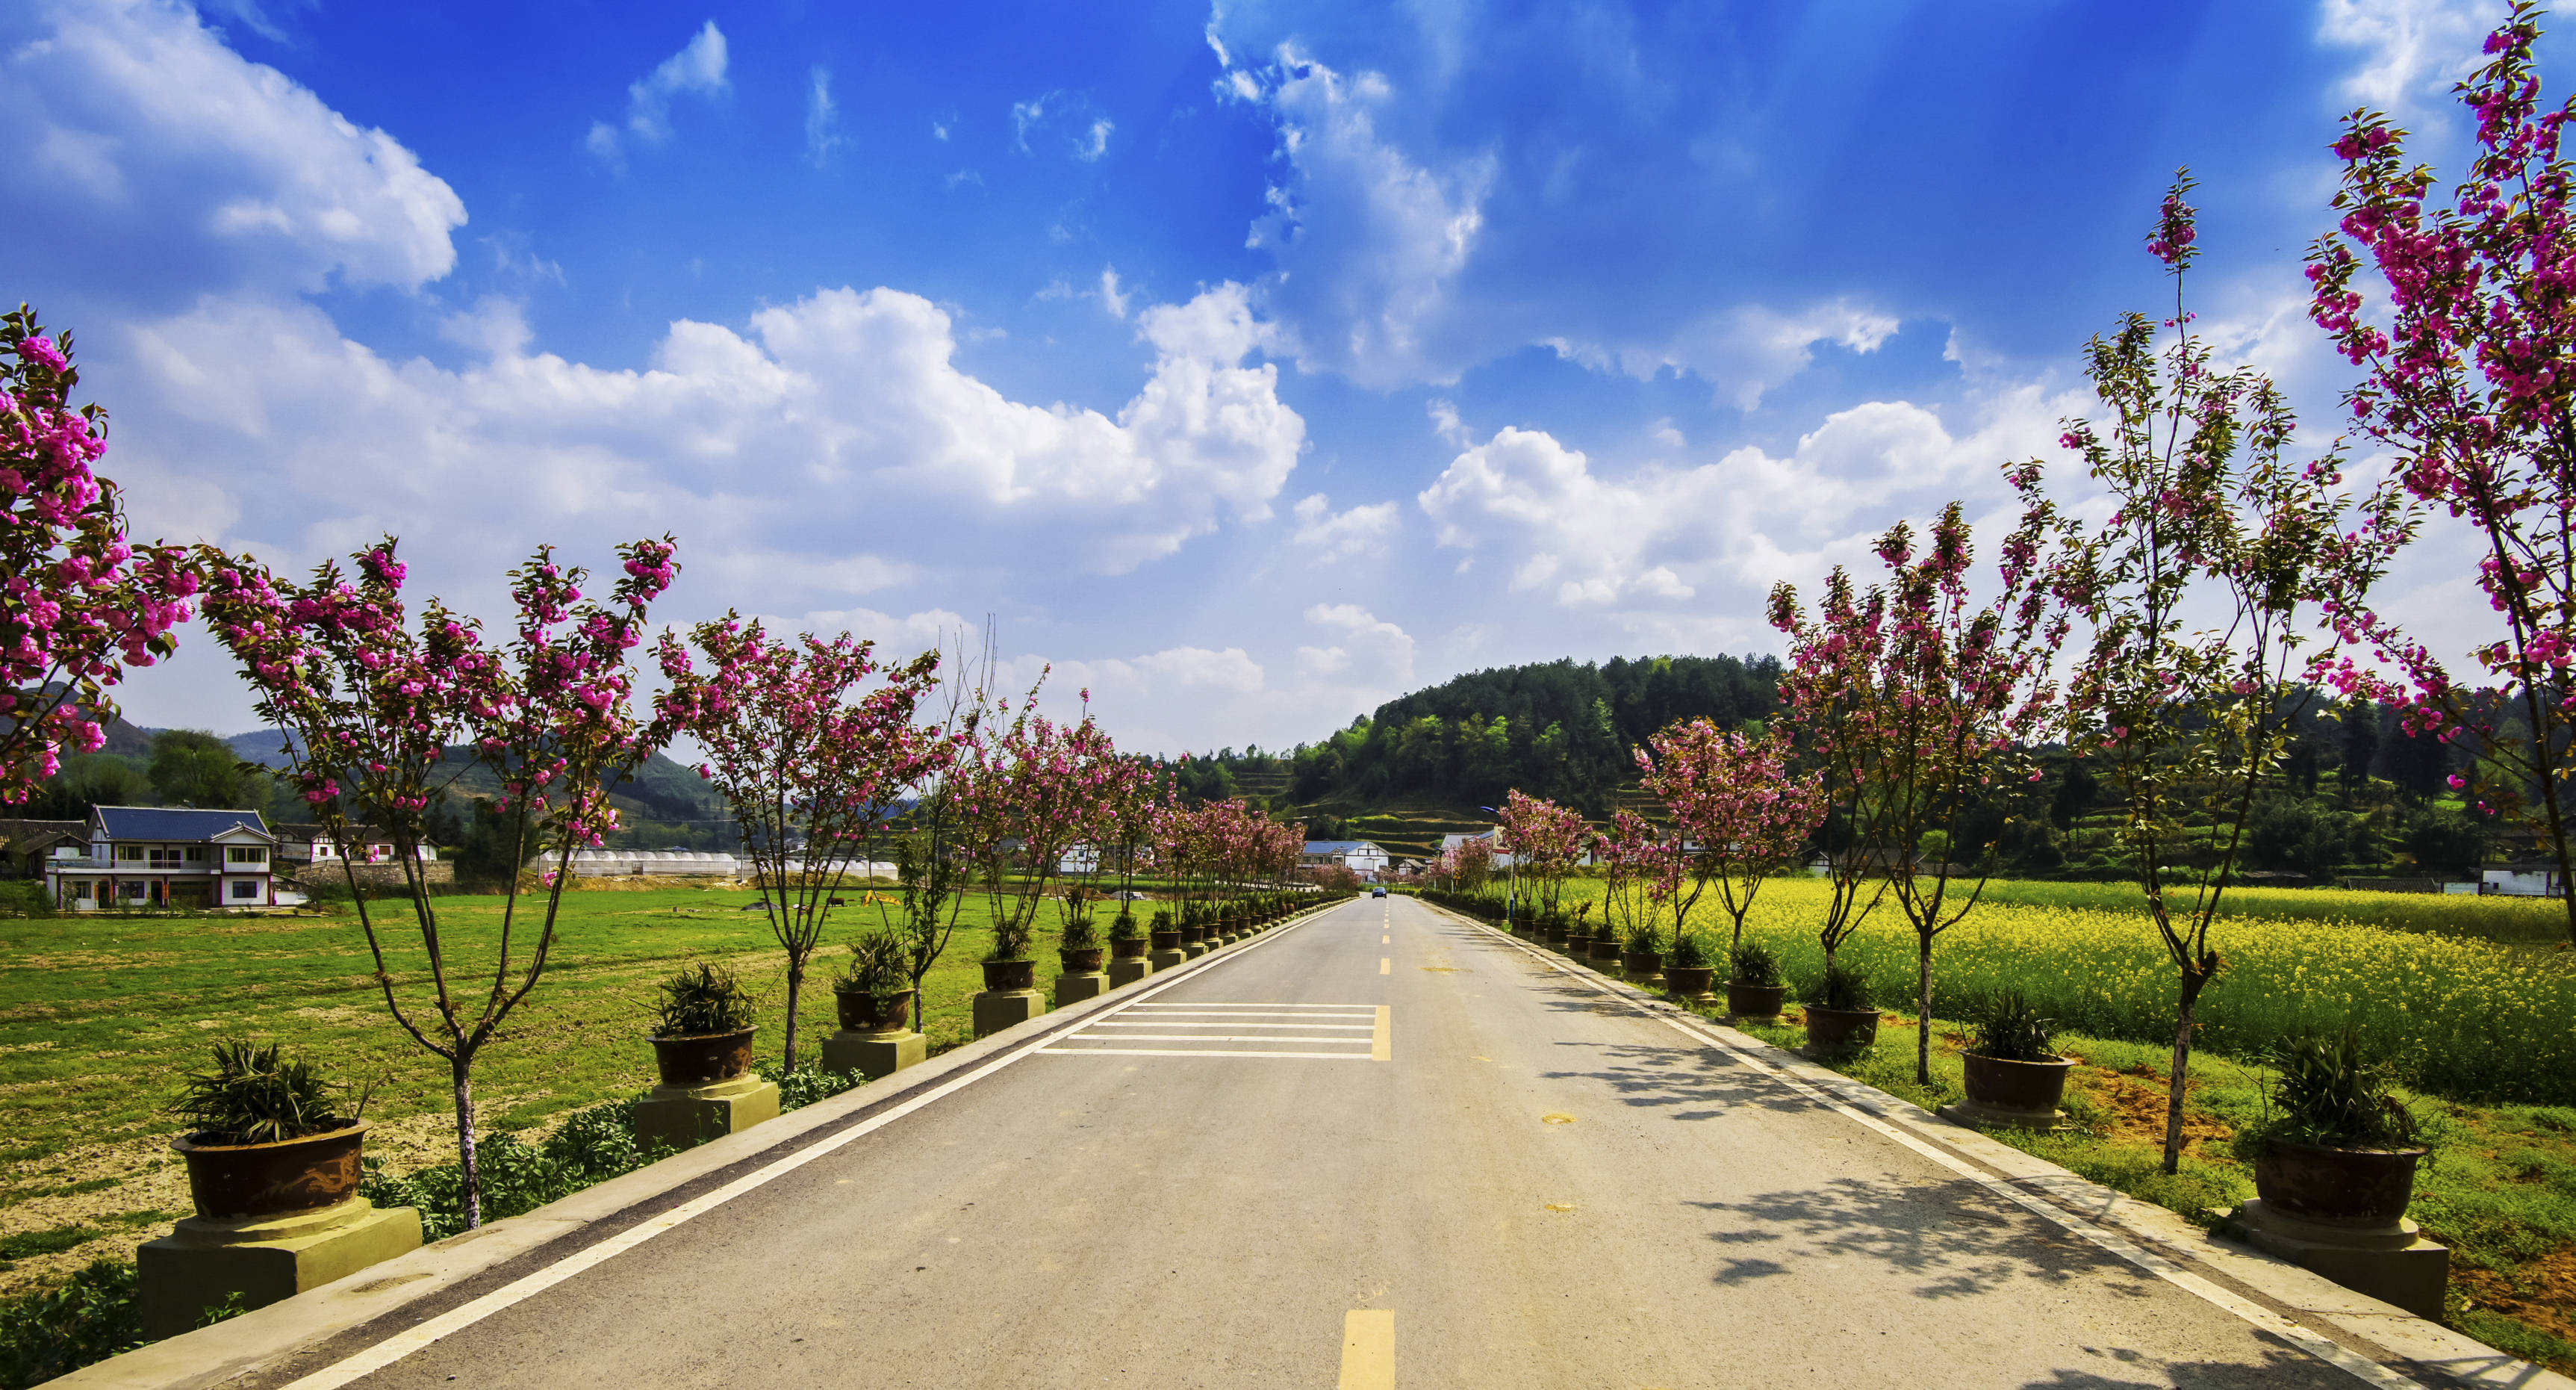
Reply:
x=1343, y=535
x=2411, y=49
x=697, y=70
x=165, y=164
x=1367, y=651
x=1747, y=351
x=1369, y=242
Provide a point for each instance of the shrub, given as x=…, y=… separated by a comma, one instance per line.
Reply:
x=878, y=966
x=89, y=1318
x=2009, y=1029
x=593, y=1146
x=1753, y=964
x=798, y=1089
x=1080, y=934
x=2330, y=1090
x=1643, y=939
x=1689, y=952
x=1126, y=927
x=253, y=1096
x=1843, y=987
x=700, y=1000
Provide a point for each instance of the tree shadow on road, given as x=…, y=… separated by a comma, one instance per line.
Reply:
x=1951, y=1239
x=1691, y=1083
x=2280, y=1366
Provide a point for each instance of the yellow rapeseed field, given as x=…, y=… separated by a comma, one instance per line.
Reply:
x=2459, y=1015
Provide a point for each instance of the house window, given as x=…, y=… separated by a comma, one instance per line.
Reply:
x=130, y=853
x=245, y=888
x=196, y=854
x=133, y=892
x=80, y=890
x=245, y=854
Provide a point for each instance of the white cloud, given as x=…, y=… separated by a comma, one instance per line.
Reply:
x=822, y=117
x=1368, y=652
x=1095, y=143
x=1110, y=297
x=166, y=164
x=1088, y=138
x=2411, y=49
x=1369, y=242
x=698, y=70
x=1743, y=352
x=1343, y=535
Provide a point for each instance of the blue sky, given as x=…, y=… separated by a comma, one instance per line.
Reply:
x=1250, y=364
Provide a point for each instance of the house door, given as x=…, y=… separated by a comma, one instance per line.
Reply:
x=196, y=897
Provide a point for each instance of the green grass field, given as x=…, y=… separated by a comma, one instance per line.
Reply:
x=99, y=1016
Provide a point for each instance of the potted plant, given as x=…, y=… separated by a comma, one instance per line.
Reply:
x=1079, y=950
x=873, y=990
x=702, y=1027
x=1577, y=934
x=1605, y=949
x=1008, y=965
x=1753, y=987
x=1164, y=935
x=1643, y=960
x=266, y=1136
x=1690, y=975
x=1840, y=1012
x=2335, y=1147
x=1127, y=938
x=2012, y=1075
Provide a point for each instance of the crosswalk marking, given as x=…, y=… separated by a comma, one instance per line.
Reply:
x=1306, y=1031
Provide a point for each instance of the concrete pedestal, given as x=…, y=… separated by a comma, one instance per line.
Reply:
x=203, y=1265
x=683, y=1117
x=1975, y=1116
x=874, y=1054
x=1128, y=972
x=1651, y=979
x=1165, y=960
x=1073, y=989
x=1192, y=950
x=2394, y=1264
x=997, y=1009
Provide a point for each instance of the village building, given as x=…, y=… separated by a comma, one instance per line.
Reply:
x=1359, y=856
x=25, y=845
x=170, y=857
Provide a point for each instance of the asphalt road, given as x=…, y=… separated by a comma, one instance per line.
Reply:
x=1383, y=1146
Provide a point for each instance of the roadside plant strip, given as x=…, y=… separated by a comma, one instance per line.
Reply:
x=811, y=758
x=2466, y=380
x=79, y=602
x=371, y=707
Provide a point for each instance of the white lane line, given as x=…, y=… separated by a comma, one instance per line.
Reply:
x=1230, y=1019
x=385, y=1353
x=2316, y=1344
x=1247, y=1013
x=1187, y=1052
x=1219, y=1037
x=1212, y=1008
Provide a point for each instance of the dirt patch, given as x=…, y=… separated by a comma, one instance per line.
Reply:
x=2132, y=1106
x=2541, y=1293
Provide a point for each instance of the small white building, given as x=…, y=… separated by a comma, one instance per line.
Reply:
x=1359, y=856
x=2530, y=879
x=1081, y=859
x=156, y=856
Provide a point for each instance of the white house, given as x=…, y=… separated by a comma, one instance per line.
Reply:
x=1081, y=859
x=1359, y=856
x=153, y=856
x=2531, y=879
x=1502, y=859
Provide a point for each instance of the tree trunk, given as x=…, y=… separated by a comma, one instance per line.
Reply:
x=795, y=991
x=470, y=1186
x=1923, y=1013
x=2192, y=981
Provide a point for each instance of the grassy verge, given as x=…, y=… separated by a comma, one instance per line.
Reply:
x=2499, y=1186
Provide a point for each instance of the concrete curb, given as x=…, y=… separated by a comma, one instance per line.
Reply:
x=2380, y=1331
x=407, y=1286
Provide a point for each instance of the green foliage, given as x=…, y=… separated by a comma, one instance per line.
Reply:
x=1080, y=933
x=2010, y=1029
x=1643, y=938
x=28, y=1244
x=254, y=1096
x=1126, y=927
x=1751, y=963
x=1842, y=987
x=593, y=1146
x=1689, y=952
x=2329, y=1089
x=703, y=998
x=800, y=1088
x=877, y=966
x=89, y=1318
x=193, y=768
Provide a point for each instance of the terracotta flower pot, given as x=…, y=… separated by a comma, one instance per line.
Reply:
x=1167, y=940
x=1081, y=962
x=1556, y=934
x=1127, y=948
x=862, y=1012
x=1755, y=1001
x=239, y=1182
x=2022, y=1088
x=1605, y=953
x=2349, y=1187
x=1577, y=944
x=1642, y=966
x=1001, y=976
x=1689, y=981
x=1841, y=1028
x=704, y=1059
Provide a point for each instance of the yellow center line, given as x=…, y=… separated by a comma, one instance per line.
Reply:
x=1368, y=1350
x=1382, y=1042
x=1385, y=966
x=1386, y=941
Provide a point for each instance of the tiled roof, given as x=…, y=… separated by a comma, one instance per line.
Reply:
x=1339, y=846
x=173, y=823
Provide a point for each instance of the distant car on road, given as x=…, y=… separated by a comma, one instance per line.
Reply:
x=1378, y=892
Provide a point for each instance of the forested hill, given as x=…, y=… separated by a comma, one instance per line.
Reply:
x=1561, y=729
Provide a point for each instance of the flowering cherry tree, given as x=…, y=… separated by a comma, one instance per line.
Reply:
x=812, y=745
x=1954, y=694
x=1031, y=787
x=381, y=712
x=2212, y=519
x=1545, y=836
x=2469, y=377
x=1640, y=874
x=78, y=602
x=1736, y=801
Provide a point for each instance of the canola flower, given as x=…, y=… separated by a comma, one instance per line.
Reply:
x=2459, y=1015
